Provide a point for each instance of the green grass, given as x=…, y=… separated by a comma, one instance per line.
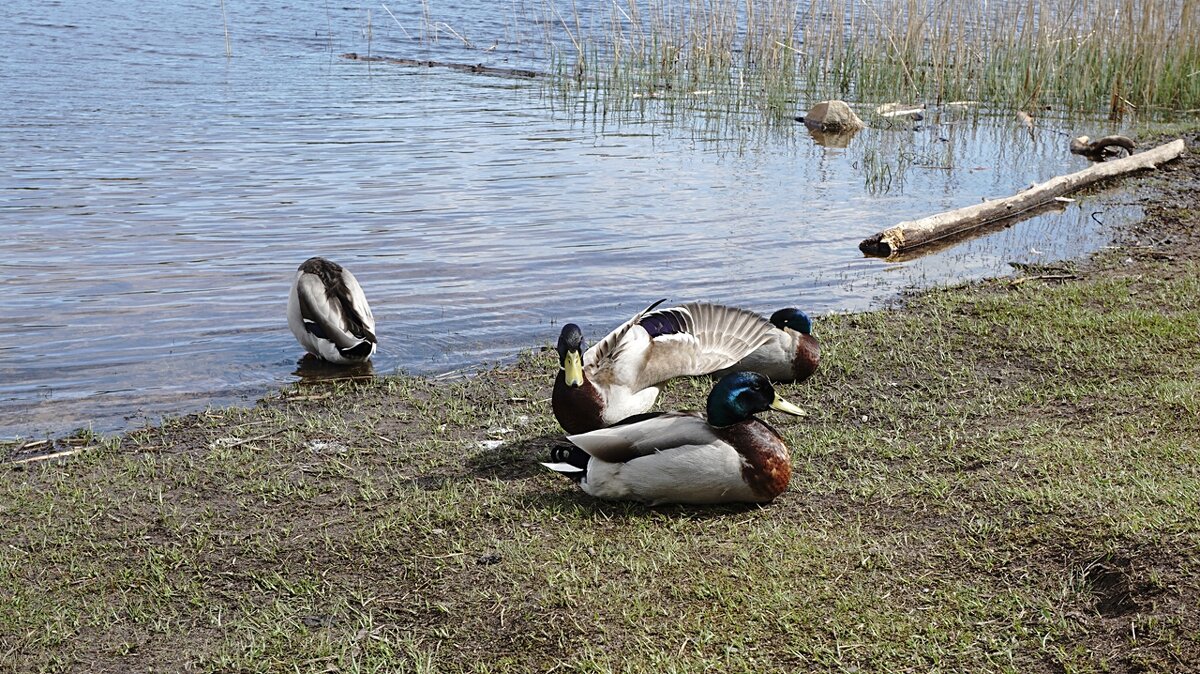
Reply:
x=992, y=478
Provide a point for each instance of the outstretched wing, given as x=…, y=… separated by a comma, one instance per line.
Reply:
x=609, y=348
x=614, y=360
x=695, y=339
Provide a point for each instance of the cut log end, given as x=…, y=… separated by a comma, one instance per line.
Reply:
x=875, y=246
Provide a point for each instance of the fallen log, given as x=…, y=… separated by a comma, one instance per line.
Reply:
x=477, y=68
x=947, y=242
x=915, y=233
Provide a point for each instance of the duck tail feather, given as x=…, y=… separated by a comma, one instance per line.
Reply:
x=564, y=468
x=360, y=350
x=570, y=454
x=568, y=460
x=567, y=470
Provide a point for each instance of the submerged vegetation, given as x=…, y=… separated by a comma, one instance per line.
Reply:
x=1082, y=55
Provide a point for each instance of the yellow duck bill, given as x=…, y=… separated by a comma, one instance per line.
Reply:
x=573, y=369
x=784, y=406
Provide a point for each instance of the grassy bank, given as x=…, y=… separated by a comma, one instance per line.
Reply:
x=1003, y=476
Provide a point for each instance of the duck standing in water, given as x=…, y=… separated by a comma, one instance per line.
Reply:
x=619, y=377
x=792, y=354
x=678, y=457
x=328, y=313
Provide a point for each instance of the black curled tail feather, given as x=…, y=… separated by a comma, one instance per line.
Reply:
x=360, y=350
x=570, y=454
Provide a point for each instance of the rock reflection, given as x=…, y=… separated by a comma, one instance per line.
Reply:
x=838, y=140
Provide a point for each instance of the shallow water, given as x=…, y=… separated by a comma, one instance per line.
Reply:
x=158, y=197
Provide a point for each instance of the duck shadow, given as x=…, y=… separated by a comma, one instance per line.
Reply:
x=516, y=460
x=570, y=500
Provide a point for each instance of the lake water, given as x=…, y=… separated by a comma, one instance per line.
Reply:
x=158, y=195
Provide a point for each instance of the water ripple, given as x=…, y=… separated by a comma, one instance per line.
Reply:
x=159, y=196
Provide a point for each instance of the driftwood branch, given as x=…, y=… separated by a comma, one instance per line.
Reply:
x=477, y=68
x=915, y=233
x=947, y=242
x=47, y=457
x=1102, y=148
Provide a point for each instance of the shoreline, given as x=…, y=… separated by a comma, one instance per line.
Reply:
x=995, y=476
x=145, y=413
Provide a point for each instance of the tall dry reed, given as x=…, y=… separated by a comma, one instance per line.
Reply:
x=1082, y=55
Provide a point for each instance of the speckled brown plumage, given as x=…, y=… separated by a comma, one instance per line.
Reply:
x=768, y=468
x=808, y=357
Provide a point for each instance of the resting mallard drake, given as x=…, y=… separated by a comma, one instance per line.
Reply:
x=620, y=376
x=678, y=457
x=328, y=313
x=792, y=354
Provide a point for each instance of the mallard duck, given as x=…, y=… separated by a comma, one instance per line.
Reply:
x=792, y=354
x=678, y=457
x=620, y=376
x=328, y=313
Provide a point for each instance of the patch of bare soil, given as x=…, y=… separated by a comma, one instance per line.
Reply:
x=1171, y=199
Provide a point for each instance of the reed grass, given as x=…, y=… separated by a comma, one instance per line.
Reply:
x=225, y=24
x=1079, y=55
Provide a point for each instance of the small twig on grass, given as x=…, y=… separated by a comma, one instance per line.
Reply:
x=446, y=556
x=1042, y=277
x=52, y=455
x=239, y=443
x=304, y=398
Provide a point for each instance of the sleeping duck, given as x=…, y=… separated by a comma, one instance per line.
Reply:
x=678, y=457
x=328, y=313
x=792, y=354
x=620, y=376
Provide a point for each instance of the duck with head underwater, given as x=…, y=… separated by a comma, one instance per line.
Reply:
x=619, y=377
x=329, y=315
x=679, y=457
x=791, y=355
